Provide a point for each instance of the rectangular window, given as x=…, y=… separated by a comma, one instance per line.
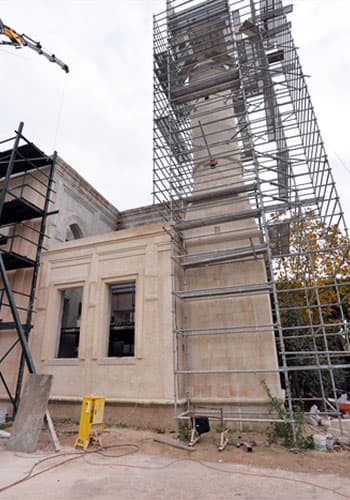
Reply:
x=122, y=320
x=70, y=322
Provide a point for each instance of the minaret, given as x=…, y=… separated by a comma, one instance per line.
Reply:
x=225, y=286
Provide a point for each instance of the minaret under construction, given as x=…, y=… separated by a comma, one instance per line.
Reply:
x=237, y=164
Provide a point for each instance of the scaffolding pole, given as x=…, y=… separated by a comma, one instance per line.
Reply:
x=243, y=180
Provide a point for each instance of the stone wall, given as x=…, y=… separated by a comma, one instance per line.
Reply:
x=246, y=317
x=80, y=206
x=140, y=254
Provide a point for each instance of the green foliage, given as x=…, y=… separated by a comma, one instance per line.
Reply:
x=5, y=425
x=184, y=433
x=317, y=250
x=65, y=421
x=282, y=432
x=313, y=289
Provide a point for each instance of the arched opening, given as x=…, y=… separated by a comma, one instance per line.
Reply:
x=73, y=232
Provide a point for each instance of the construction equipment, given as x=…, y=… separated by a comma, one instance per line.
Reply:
x=236, y=141
x=26, y=195
x=18, y=41
x=91, y=423
x=16, y=209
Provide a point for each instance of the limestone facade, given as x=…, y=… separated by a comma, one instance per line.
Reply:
x=140, y=389
x=245, y=318
x=145, y=380
x=83, y=211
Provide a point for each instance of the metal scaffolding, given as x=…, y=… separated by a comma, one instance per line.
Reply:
x=26, y=193
x=242, y=176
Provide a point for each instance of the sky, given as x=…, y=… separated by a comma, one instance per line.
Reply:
x=99, y=116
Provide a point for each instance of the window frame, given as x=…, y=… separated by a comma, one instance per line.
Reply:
x=60, y=301
x=132, y=282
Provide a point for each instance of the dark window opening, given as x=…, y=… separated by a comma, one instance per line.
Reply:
x=70, y=323
x=122, y=321
x=73, y=232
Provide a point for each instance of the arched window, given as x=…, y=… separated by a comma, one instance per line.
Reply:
x=73, y=232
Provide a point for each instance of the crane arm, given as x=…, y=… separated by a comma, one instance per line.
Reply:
x=23, y=40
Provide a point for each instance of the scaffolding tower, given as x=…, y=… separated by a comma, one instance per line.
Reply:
x=242, y=177
x=26, y=194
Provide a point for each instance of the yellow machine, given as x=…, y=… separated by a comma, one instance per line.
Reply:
x=91, y=421
x=18, y=41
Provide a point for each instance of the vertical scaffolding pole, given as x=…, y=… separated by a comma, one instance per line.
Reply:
x=236, y=139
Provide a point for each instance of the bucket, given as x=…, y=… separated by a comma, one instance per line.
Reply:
x=320, y=442
x=3, y=413
x=329, y=441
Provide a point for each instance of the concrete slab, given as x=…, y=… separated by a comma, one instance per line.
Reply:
x=30, y=414
x=150, y=477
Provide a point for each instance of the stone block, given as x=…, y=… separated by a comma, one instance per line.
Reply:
x=30, y=415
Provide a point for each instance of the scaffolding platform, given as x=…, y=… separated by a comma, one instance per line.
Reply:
x=243, y=180
x=26, y=177
x=19, y=209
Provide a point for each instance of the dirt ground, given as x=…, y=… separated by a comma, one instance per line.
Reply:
x=132, y=466
x=263, y=455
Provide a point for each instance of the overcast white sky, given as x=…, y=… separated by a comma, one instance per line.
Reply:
x=99, y=116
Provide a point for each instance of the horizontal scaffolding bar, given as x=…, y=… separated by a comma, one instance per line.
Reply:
x=253, y=288
x=222, y=256
x=265, y=370
x=217, y=219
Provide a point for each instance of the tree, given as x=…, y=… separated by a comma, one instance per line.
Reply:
x=313, y=284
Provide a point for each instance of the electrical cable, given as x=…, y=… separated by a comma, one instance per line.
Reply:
x=76, y=455
x=208, y=466
x=85, y=453
x=108, y=455
x=31, y=476
x=97, y=451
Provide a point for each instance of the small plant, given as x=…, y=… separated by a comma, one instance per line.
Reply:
x=282, y=432
x=5, y=425
x=218, y=428
x=184, y=432
x=302, y=440
x=65, y=421
x=122, y=425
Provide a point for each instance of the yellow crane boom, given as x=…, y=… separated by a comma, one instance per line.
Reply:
x=18, y=41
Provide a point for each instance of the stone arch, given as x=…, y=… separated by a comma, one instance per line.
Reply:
x=73, y=232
